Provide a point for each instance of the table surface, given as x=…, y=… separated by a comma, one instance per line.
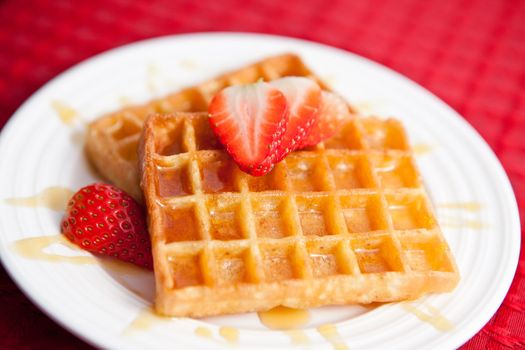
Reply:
x=470, y=53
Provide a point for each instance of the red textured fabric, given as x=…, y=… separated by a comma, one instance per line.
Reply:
x=470, y=53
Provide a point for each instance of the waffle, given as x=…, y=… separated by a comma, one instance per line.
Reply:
x=347, y=221
x=111, y=141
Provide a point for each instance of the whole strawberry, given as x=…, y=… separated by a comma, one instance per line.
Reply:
x=105, y=220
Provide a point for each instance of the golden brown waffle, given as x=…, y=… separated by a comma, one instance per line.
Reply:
x=347, y=221
x=111, y=142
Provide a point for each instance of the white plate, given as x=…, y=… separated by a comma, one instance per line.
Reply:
x=37, y=150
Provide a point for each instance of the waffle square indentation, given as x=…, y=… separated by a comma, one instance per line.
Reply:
x=395, y=172
x=217, y=174
x=376, y=255
x=426, y=252
x=231, y=266
x=350, y=172
x=313, y=215
x=347, y=138
x=205, y=139
x=186, y=270
x=173, y=182
x=171, y=140
x=278, y=262
x=306, y=174
x=180, y=224
x=325, y=258
x=363, y=213
x=272, y=217
x=383, y=134
x=124, y=127
x=409, y=212
x=224, y=218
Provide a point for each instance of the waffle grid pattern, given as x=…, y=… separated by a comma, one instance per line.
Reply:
x=351, y=206
x=112, y=140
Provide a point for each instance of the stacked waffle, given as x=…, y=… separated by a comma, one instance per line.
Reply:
x=112, y=140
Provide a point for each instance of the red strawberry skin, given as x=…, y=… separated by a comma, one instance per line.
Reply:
x=332, y=112
x=104, y=220
x=250, y=120
x=304, y=98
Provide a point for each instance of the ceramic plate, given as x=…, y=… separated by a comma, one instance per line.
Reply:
x=107, y=304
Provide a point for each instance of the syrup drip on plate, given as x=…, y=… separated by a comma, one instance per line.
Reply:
x=456, y=223
x=54, y=198
x=287, y=319
x=369, y=107
x=152, y=74
x=432, y=316
x=468, y=206
x=35, y=248
x=330, y=333
x=144, y=321
x=453, y=222
x=420, y=149
x=230, y=334
x=188, y=64
x=204, y=332
x=284, y=318
x=124, y=101
x=67, y=114
x=38, y=248
x=297, y=336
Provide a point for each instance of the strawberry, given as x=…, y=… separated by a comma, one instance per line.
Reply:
x=105, y=220
x=304, y=98
x=332, y=112
x=249, y=120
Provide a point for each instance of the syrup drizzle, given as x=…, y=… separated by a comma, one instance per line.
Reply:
x=124, y=101
x=152, y=75
x=453, y=222
x=432, y=316
x=67, y=114
x=284, y=318
x=368, y=107
x=420, y=149
x=330, y=333
x=54, y=198
x=468, y=206
x=188, y=64
x=287, y=319
x=471, y=224
x=297, y=336
x=204, y=332
x=35, y=248
x=230, y=334
x=144, y=321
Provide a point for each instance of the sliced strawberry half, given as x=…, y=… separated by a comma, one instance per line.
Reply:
x=249, y=120
x=332, y=112
x=304, y=98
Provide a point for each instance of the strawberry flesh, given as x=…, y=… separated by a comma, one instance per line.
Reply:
x=249, y=120
x=105, y=220
x=304, y=97
x=332, y=112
